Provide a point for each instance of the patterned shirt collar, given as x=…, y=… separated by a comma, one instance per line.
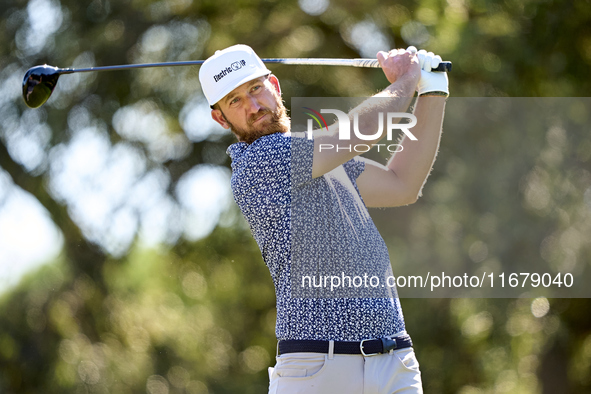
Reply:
x=236, y=150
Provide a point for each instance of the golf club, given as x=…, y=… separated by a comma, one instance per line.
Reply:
x=40, y=81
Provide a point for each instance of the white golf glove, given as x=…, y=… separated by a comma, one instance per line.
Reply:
x=430, y=81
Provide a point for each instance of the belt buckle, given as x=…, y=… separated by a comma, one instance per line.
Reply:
x=363, y=352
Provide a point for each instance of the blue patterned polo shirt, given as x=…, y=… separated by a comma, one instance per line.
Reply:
x=309, y=229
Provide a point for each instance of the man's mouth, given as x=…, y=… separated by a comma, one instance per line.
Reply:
x=260, y=117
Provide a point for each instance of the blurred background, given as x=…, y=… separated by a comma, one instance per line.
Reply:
x=125, y=266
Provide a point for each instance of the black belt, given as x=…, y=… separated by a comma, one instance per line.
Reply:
x=367, y=347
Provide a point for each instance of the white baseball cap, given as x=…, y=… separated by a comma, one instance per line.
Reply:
x=229, y=68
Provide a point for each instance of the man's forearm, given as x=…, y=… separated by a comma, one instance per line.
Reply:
x=413, y=164
x=395, y=98
x=403, y=71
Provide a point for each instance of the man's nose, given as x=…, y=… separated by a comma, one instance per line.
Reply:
x=253, y=105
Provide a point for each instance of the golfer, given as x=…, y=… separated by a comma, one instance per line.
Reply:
x=327, y=345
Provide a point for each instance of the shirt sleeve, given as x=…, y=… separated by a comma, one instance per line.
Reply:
x=302, y=156
x=354, y=167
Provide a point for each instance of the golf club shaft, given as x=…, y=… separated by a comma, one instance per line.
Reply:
x=368, y=63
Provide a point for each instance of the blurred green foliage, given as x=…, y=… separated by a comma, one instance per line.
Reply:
x=196, y=315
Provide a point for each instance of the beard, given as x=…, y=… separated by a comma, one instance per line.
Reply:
x=277, y=122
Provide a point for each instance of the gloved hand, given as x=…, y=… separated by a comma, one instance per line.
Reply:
x=430, y=81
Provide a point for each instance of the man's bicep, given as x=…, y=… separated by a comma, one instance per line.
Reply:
x=330, y=152
x=380, y=187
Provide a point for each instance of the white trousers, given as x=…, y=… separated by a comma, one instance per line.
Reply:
x=316, y=373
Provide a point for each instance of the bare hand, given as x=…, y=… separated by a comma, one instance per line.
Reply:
x=400, y=63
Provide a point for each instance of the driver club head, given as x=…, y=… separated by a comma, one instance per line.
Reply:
x=38, y=84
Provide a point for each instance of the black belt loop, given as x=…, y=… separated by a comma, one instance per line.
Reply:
x=389, y=344
x=366, y=347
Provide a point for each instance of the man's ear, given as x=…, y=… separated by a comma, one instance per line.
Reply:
x=275, y=82
x=217, y=115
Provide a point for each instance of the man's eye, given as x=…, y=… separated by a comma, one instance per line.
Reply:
x=234, y=101
x=256, y=87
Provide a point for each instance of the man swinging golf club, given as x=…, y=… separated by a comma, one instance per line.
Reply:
x=282, y=181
